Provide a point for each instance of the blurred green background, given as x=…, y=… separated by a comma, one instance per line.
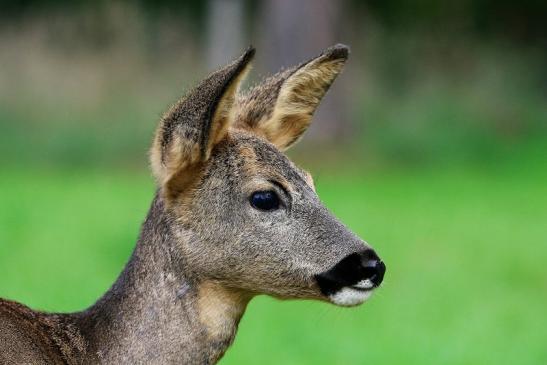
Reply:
x=432, y=146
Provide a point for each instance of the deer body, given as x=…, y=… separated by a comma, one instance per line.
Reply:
x=232, y=218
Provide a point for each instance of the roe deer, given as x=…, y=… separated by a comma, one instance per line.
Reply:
x=232, y=218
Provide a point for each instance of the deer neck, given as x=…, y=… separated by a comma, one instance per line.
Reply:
x=156, y=313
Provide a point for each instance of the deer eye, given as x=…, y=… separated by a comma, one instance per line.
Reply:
x=265, y=200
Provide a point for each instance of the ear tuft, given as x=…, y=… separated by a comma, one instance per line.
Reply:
x=337, y=52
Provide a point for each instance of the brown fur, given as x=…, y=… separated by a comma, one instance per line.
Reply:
x=40, y=338
x=204, y=251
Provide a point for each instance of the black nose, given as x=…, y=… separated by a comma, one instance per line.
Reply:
x=353, y=271
x=373, y=268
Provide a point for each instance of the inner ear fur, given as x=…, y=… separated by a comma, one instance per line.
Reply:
x=281, y=107
x=191, y=128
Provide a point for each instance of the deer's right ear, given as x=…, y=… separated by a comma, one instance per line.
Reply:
x=190, y=129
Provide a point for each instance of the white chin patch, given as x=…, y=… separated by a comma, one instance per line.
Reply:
x=348, y=297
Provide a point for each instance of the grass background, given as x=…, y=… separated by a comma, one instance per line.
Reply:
x=465, y=249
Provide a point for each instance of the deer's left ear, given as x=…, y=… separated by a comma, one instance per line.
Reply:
x=188, y=132
x=281, y=107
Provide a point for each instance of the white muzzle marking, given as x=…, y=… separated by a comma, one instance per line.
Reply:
x=348, y=296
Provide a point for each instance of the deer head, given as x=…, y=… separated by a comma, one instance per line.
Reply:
x=244, y=216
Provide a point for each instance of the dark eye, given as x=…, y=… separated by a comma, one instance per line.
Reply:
x=265, y=200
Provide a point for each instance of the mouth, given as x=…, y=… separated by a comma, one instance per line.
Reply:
x=350, y=296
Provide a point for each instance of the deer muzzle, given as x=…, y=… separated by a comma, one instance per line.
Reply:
x=352, y=280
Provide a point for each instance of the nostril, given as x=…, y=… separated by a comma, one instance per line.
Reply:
x=370, y=269
x=374, y=270
x=369, y=255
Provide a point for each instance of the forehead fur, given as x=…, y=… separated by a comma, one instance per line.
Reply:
x=247, y=154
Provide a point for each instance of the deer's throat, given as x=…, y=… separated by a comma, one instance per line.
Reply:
x=220, y=310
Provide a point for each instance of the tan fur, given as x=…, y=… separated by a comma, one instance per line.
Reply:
x=297, y=101
x=309, y=179
x=220, y=309
x=291, y=97
x=224, y=116
x=181, y=154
